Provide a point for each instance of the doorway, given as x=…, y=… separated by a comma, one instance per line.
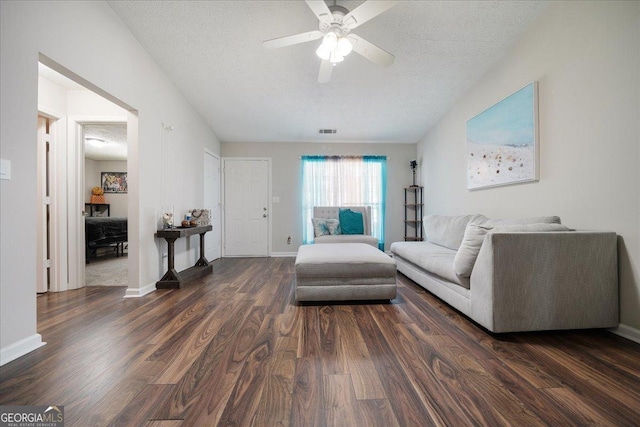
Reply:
x=105, y=215
x=76, y=109
x=247, y=207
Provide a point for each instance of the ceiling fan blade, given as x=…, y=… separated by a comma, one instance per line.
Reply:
x=370, y=51
x=321, y=10
x=326, y=67
x=291, y=40
x=366, y=11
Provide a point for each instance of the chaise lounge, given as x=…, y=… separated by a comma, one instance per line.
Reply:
x=333, y=212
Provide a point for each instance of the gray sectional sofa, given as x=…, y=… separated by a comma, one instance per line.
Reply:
x=524, y=274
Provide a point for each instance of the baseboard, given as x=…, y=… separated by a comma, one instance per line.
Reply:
x=627, y=332
x=20, y=348
x=283, y=254
x=140, y=292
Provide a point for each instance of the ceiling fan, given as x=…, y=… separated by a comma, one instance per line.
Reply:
x=336, y=23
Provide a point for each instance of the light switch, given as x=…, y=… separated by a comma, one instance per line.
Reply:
x=5, y=169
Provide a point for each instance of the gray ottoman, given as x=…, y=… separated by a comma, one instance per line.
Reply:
x=344, y=272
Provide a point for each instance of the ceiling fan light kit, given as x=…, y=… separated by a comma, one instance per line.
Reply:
x=335, y=23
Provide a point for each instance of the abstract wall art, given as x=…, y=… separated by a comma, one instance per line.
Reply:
x=502, y=141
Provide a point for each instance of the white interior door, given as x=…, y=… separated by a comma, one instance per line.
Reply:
x=213, y=240
x=246, y=207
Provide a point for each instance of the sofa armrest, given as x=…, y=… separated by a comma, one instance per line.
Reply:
x=546, y=281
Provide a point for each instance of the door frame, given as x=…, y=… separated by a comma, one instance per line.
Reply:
x=57, y=227
x=223, y=200
x=208, y=152
x=75, y=197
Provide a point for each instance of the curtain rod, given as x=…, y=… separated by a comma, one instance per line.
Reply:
x=347, y=156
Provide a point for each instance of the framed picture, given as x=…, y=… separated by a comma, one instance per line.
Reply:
x=114, y=182
x=502, y=141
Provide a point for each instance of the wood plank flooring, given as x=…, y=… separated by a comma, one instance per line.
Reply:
x=234, y=349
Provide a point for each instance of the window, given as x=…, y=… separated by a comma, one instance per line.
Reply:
x=344, y=181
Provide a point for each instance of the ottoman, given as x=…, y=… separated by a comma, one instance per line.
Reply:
x=344, y=272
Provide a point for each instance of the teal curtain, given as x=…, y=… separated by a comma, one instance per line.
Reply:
x=344, y=181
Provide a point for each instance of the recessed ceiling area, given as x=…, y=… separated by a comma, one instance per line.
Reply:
x=213, y=52
x=105, y=141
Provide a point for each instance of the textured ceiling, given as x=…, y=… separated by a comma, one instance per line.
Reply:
x=213, y=52
x=115, y=136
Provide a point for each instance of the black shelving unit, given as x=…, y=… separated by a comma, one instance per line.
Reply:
x=413, y=206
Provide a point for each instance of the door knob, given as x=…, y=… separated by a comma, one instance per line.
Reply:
x=264, y=209
x=264, y=215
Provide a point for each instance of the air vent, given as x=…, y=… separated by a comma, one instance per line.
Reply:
x=324, y=131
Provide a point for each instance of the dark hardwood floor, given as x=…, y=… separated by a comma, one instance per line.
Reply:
x=234, y=349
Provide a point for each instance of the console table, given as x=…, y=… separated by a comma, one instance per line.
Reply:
x=173, y=279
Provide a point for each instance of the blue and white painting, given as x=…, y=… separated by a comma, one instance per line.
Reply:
x=502, y=141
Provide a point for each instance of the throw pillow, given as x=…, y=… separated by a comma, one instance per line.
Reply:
x=448, y=231
x=469, y=249
x=320, y=227
x=334, y=226
x=351, y=222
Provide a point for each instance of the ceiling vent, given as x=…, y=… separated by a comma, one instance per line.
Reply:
x=325, y=131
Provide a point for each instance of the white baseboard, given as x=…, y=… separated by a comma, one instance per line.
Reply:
x=627, y=332
x=283, y=254
x=20, y=348
x=140, y=292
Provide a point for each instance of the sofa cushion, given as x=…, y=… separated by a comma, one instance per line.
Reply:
x=474, y=235
x=351, y=222
x=521, y=221
x=348, y=238
x=529, y=228
x=448, y=231
x=435, y=259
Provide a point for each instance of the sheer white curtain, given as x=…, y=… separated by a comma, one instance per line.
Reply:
x=344, y=181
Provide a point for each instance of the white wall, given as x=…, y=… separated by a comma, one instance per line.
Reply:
x=93, y=177
x=88, y=39
x=586, y=58
x=287, y=215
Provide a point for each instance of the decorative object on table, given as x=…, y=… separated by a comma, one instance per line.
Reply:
x=201, y=216
x=502, y=141
x=185, y=223
x=97, y=195
x=114, y=182
x=414, y=165
x=193, y=223
x=166, y=216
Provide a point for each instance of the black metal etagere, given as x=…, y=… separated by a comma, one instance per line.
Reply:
x=413, y=205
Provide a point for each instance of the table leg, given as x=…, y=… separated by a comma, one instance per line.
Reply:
x=202, y=261
x=171, y=274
